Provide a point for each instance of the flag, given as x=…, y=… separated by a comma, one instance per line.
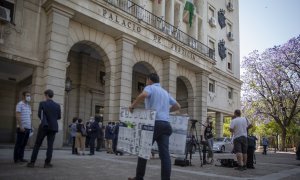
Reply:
x=189, y=6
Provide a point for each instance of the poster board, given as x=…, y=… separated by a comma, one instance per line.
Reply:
x=136, y=131
x=177, y=140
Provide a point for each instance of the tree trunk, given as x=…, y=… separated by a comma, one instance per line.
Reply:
x=283, y=139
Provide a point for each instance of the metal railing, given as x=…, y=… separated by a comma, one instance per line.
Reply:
x=157, y=22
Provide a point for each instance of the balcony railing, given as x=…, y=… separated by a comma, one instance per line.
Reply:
x=157, y=22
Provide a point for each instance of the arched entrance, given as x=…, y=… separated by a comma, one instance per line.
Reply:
x=139, y=76
x=184, y=95
x=85, y=84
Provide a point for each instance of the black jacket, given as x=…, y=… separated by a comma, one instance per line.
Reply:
x=52, y=112
x=95, y=128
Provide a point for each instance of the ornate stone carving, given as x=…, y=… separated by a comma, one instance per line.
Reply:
x=222, y=18
x=222, y=49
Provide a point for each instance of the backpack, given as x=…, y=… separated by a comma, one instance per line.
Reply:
x=83, y=131
x=228, y=163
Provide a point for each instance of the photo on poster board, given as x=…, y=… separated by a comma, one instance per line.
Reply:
x=136, y=131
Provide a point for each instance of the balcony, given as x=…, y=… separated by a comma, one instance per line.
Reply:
x=147, y=17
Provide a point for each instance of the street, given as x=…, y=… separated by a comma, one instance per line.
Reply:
x=111, y=167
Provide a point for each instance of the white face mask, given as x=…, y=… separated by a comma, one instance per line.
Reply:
x=28, y=98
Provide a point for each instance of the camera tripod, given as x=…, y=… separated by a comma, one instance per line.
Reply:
x=193, y=144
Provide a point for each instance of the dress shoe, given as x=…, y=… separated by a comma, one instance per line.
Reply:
x=132, y=178
x=30, y=165
x=90, y=154
x=48, y=165
x=23, y=160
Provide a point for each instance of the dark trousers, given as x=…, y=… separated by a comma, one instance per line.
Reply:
x=74, y=149
x=115, y=143
x=42, y=133
x=162, y=132
x=250, y=157
x=99, y=143
x=92, y=145
x=87, y=141
x=265, y=149
x=21, y=141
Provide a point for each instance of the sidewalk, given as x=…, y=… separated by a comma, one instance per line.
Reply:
x=111, y=167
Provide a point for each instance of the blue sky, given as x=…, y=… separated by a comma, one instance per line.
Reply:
x=265, y=23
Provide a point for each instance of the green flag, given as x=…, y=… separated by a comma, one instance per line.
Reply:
x=189, y=6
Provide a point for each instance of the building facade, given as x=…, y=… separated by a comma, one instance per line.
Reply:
x=95, y=55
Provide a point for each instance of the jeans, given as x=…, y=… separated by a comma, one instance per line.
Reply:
x=250, y=157
x=162, y=132
x=265, y=149
x=210, y=147
x=42, y=133
x=21, y=141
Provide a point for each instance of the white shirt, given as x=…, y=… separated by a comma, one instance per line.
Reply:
x=239, y=126
x=25, y=110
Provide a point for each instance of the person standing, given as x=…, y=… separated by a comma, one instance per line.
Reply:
x=94, y=131
x=208, y=136
x=80, y=137
x=100, y=135
x=73, y=130
x=109, y=137
x=49, y=112
x=265, y=144
x=163, y=103
x=239, y=127
x=251, y=151
x=23, y=116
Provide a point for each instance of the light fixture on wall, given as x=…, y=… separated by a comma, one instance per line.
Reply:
x=68, y=85
x=102, y=77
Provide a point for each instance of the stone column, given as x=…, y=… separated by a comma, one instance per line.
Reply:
x=169, y=79
x=54, y=74
x=159, y=8
x=219, y=124
x=193, y=31
x=122, y=75
x=37, y=95
x=170, y=11
x=201, y=98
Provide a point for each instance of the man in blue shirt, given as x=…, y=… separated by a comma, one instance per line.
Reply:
x=160, y=100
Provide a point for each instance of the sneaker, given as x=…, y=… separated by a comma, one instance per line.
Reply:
x=48, y=165
x=30, y=165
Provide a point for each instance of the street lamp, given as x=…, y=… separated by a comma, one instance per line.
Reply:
x=68, y=88
x=68, y=85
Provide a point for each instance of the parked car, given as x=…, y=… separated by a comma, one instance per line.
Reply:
x=222, y=144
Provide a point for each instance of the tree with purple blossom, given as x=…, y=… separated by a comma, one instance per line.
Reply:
x=272, y=85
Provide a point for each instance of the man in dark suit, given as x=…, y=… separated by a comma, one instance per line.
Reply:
x=49, y=112
x=94, y=130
